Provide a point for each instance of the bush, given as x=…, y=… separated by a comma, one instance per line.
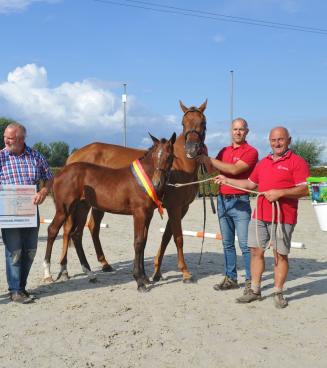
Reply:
x=318, y=171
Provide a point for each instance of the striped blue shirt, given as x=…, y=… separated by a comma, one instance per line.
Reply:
x=27, y=168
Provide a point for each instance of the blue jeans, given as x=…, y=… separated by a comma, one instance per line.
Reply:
x=20, y=244
x=234, y=214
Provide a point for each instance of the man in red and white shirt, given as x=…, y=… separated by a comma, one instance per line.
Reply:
x=281, y=176
x=234, y=212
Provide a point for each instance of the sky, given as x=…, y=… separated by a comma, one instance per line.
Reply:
x=64, y=64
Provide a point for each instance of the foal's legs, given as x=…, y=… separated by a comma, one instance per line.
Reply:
x=141, y=226
x=94, y=227
x=173, y=227
x=80, y=217
x=53, y=230
x=68, y=226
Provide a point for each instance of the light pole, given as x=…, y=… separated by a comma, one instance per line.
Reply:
x=124, y=100
x=232, y=95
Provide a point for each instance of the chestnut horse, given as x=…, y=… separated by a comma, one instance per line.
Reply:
x=134, y=190
x=188, y=145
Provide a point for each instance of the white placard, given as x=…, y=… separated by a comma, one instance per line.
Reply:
x=16, y=206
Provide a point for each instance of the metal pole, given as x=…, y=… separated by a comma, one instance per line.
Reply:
x=232, y=96
x=124, y=100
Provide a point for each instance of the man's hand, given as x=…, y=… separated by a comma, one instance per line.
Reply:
x=204, y=159
x=273, y=195
x=40, y=196
x=220, y=179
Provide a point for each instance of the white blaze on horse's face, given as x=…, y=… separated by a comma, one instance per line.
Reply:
x=160, y=168
x=163, y=159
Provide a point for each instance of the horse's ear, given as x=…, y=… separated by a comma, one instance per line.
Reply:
x=184, y=108
x=154, y=139
x=173, y=138
x=204, y=105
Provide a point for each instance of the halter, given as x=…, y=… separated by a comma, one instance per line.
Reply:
x=201, y=135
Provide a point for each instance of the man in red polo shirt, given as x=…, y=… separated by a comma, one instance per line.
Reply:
x=281, y=176
x=234, y=212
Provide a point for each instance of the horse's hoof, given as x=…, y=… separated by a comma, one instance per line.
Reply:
x=63, y=276
x=142, y=289
x=48, y=280
x=157, y=277
x=189, y=280
x=93, y=280
x=147, y=281
x=107, y=268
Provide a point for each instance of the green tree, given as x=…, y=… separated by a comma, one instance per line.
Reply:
x=4, y=122
x=59, y=152
x=74, y=150
x=309, y=150
x=44, y=149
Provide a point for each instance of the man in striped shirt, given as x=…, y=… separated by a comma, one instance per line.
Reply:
x=21, y=165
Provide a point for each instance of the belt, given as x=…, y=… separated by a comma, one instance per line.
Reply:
x=232, y=195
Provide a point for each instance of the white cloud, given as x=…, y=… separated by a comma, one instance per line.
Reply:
x=8, y=6
x=78, y=113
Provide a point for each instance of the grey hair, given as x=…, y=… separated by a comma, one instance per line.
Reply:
x=21, y=129
x=245, y=123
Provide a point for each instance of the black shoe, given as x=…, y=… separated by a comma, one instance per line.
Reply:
x=29, y=295
x=19, y=297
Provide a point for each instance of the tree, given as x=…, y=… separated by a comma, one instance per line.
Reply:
x=59, y=152
x=4, y=122
x=309, y=150
x=44, y=149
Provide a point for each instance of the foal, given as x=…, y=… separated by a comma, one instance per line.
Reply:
x=80, y=186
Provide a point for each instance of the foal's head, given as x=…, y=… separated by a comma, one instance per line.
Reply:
x=162, y=154
x=194, y=129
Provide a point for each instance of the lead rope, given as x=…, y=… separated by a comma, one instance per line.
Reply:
x=258, y=194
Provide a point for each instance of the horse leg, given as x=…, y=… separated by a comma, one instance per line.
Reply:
x=94, y=227
x=81, y=213
x=175, y=222
x=68, y=226
x=140, y=236
x=157, y=276
x=146, y=279
x=53, y=230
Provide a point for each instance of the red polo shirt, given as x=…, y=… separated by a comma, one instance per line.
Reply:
x=289, y=171
x=231, y=155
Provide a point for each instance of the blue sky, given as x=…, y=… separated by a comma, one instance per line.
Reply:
x=64, y=62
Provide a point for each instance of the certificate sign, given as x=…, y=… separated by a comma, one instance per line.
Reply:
x=16, y=206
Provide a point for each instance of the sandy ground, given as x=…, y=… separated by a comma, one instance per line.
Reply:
x=76, y=323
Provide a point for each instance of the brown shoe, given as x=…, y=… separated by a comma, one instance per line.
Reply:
x=226, y=284
x=19, y=297
x=249, y=297
x=279, y=300
x=247, y=287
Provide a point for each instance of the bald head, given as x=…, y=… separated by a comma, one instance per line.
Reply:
x=280, y=130
x=280, y=140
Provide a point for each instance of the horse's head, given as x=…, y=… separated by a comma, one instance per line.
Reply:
x=162, y=155
x=194, y=129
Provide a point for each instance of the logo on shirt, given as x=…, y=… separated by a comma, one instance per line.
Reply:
x=235, y=159
x=281, y=167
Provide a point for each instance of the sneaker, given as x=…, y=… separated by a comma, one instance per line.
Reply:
x=249, y=297
x=247, y=287
x=29, y=295
x=226, y=284
x=19, y=297
x=279, y=300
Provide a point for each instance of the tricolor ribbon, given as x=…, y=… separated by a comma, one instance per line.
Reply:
x=146, y=184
